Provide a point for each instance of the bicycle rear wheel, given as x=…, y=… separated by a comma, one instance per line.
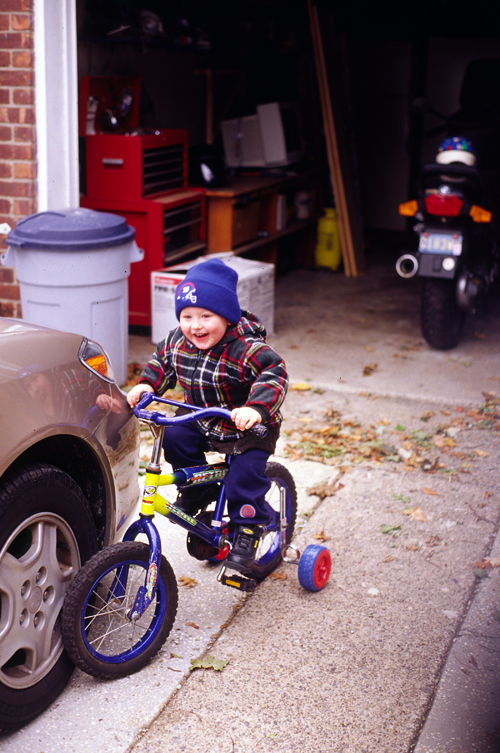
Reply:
x=98, y=634
x=269, y=554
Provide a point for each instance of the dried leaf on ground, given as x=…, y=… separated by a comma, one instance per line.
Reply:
x=442, y=442
x=193, y=625
x=301, y=386
x=279, y=576
x=322, y=490
x=488, y=563
x=370, y=369
x=186, y=581
x=393, y=530
x=209, y=662
x=321, y=536
x=430, y=491
x=419, y=514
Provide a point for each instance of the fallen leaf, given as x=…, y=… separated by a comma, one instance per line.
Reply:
x=278, y=576
x=419, y=514
x=186, y=581
x=323, y=490
x=430, y=491
x=193, y=625
x=393, y=530
x=433, y=540
x=487, y=563
x=209, y=662
x=389, y=558
x=442, y=442
x=481, y=453
x=427, y=415
x=480, y=573
x=415, y=512
x=369, y=369
x=321, y=536
x=301, y=386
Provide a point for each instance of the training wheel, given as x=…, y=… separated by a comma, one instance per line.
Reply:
x=314, y=567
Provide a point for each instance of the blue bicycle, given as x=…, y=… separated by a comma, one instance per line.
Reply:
x=122, y=604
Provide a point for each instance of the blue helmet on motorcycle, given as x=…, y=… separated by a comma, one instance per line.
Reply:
x=456, y=149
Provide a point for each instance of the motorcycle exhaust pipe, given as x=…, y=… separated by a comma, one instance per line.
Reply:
x=407, y=265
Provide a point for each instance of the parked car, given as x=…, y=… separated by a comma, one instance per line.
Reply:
x=68, y=485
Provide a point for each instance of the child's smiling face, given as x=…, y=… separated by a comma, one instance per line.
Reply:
x=201, y=327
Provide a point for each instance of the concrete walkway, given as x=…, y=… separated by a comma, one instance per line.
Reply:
x=401, y=647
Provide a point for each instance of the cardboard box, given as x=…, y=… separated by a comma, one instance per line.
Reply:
x=255, y=291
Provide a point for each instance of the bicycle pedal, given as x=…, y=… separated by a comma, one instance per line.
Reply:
x=237, y=581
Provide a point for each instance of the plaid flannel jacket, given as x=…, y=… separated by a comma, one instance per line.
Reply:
x=240, y=370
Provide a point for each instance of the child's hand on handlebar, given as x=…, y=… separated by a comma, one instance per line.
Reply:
x=135, y=393
x=244, y=418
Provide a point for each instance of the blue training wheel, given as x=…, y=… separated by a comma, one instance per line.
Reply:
x=314, y=567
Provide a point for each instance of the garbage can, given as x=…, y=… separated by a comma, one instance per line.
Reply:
x=72, y=266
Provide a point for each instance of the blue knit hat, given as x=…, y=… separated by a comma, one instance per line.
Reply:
x=210, y=285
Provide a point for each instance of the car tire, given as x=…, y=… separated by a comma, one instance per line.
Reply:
x=46, y=534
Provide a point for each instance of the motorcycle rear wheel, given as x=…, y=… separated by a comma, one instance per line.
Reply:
x=441, y=319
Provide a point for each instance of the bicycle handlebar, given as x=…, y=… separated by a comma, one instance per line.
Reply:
x=196, y=413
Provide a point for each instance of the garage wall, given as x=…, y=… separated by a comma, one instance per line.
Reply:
x=380, y=77
x=17, y=131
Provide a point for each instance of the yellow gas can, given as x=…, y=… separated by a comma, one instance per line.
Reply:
x=328, y=253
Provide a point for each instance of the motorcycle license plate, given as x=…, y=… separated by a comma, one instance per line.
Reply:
x=441, y=243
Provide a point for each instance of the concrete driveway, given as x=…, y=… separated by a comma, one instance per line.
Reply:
x=394, y=448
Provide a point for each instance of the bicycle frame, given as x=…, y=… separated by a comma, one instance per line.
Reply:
x=153, y=502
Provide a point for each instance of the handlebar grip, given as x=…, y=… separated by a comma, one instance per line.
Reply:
x=258, y=430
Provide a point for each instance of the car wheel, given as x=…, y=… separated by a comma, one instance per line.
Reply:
x=46, y=534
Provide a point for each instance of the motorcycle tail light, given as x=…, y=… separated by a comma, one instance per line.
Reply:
x=408, y=209
x=443, y=205
x=479, y=214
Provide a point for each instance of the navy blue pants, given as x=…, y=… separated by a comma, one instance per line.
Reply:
x=246, y=481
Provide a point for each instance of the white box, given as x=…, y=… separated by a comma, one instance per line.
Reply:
x=255, y=291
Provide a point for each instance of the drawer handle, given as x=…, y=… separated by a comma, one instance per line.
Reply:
x=113, y=162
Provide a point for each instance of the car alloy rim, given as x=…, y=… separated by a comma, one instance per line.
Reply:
x=37, y=564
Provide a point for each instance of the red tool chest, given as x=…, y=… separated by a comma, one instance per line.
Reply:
x=136, y=166
x=141, y=176
x=168, y=228
x=124, y=161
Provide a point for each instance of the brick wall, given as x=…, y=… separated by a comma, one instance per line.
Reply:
x=18, y=189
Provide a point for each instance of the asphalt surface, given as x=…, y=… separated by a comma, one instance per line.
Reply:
x=394, y=449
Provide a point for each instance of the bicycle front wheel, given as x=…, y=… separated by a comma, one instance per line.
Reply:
x=97, y=632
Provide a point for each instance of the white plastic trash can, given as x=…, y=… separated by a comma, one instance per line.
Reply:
x=72, y=266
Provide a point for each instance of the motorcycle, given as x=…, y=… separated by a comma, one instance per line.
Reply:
x=457, y=250
x=454, y=212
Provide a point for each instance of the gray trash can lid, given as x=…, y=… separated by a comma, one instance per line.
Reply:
x=71, y=230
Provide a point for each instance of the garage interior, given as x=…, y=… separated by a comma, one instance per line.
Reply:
x=198, y=65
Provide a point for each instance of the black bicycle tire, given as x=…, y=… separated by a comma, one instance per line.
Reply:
x=78, y=597
x=277, y=471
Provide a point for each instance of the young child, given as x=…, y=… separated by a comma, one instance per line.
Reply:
x=218, y=355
